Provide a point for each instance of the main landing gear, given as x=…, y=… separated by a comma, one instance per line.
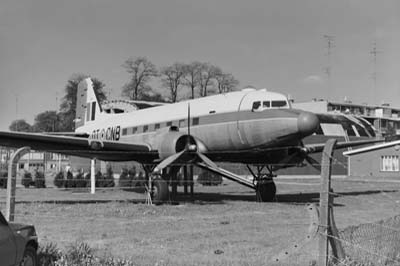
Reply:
x=157, y=187
x=264, y=183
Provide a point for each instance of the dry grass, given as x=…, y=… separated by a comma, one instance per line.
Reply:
x=221, y=226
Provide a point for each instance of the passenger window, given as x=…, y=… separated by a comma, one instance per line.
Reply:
x=195, y=121
x=134, y=130
x=266, y=104
x=124, y=131
x=256, y=106
x=156, y=126
x=145, y=128
x=169, y=124
x=181, y=123
x=279, y=103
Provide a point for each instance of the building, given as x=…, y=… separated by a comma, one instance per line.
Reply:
x=384, y=118
x=35, y=160
x=382, y=160
x=378, y=160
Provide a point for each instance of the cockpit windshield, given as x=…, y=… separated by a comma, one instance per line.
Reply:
x=257, y=106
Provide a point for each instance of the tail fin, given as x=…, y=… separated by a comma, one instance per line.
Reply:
x=87, y=103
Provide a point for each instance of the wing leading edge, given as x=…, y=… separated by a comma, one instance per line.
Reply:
x=78, y=146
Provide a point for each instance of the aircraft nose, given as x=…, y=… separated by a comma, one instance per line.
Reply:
x=307, y=123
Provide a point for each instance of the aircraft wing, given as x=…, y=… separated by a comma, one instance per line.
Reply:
x=77, y=146
x=318, y=147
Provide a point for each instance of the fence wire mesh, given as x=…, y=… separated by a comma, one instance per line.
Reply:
x=373, y=243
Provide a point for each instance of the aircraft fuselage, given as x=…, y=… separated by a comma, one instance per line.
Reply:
x=236, y=126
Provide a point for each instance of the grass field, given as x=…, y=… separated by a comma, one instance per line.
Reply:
x=220, y=226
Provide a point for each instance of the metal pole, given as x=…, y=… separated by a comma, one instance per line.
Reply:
x=326, y=167
x=12, y=182
x=92, y=177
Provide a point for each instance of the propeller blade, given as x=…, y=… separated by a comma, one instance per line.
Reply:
x=189, y=120
x=206, y=160
x=314, y=163
x=168, y=161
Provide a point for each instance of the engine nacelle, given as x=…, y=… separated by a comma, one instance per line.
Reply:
x=172, y=142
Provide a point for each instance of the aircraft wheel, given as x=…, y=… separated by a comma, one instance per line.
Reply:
x=266, y=191
x=160, y=191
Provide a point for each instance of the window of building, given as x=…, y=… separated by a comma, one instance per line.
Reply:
x=390, y=163
x=279, y=104
x=145, y=128
x=195, y=121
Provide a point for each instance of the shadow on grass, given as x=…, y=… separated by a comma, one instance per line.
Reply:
x=203, y=198
x=292, y=198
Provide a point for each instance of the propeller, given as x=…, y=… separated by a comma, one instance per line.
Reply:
x=168, y=161
x=305, y=154
x=189, y=148
x=314, y=163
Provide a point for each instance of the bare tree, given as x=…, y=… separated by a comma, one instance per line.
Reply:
x=207, y=74
x=192, y=76
x=141, y=70
x=172, y=77
x=226, y=82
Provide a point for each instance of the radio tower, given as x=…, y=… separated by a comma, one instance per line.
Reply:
x=374, y=53
x=328, y=69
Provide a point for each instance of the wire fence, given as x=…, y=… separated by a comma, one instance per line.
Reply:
x=366, y=242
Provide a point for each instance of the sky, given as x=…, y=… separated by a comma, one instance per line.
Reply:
x=278, y=45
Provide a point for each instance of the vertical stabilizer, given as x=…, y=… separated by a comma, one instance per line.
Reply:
x=87, y=104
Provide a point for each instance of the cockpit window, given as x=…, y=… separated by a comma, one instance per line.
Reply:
x=279, y=103
x=266, y=104
x=256, y=106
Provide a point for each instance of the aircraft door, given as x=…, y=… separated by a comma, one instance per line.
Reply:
x=244, y=111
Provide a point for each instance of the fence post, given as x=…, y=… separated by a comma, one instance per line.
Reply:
x=12, y=181
x=185, y=179
x=324, y=200
x=92, y=176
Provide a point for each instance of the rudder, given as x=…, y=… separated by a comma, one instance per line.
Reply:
x=87, y=104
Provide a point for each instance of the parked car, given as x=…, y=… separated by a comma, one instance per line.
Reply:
x=18, y=244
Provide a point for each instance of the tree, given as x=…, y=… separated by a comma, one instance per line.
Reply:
x=226, y=82
x=39, y=181
x=191, y=77
x=172, y=77
x=153, y=97
x=27, y=180
x=68, y=103
x=20, y=125
x=206, y=76
x=47, y=121
x=59, y=180
x=141, y=70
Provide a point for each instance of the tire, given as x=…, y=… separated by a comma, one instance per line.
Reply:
x=30, y=257
x=160, y=192
x=266, y=191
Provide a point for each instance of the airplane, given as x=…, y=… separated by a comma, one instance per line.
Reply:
x=258, y=128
